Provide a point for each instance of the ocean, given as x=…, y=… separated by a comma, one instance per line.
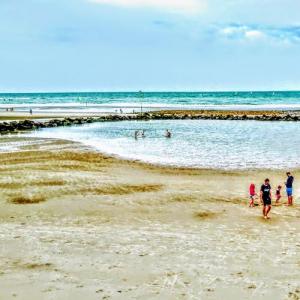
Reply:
x=195, y=143
x=145, y=101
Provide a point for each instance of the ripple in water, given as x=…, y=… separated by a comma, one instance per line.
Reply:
x=195, y=143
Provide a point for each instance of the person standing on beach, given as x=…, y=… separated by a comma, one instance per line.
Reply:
x=278, y=194
x=289, y=188
x=266, y=198
x=252, y=194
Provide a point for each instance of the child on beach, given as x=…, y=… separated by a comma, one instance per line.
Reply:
x=278, y=194
x=252, y=194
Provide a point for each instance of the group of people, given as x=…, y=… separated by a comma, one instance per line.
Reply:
x=141, y=133
x=12, y=109
x=266, y=195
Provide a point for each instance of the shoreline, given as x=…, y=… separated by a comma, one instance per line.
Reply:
x=173, y=167
x=151, y=165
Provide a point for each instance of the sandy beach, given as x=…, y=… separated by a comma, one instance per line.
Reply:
x=10, y=116
x=132, y=133
x=75, y=224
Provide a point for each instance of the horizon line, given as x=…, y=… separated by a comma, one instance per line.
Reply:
x=152, y=91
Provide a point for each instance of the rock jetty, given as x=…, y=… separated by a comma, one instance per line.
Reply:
x=23, y=125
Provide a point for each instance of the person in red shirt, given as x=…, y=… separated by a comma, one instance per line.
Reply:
x=252, y=194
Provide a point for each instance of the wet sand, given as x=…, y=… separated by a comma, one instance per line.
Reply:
x=76, y=224
x=19, y=115
x=203, y=113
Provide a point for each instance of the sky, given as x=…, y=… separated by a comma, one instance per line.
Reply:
x=151, y=45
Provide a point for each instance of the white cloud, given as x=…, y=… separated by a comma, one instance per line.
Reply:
x=242, y=32
x=254, y=34
x=233, y=30
x=177, y=6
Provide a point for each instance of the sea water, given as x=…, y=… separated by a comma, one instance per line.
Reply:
x=145, y=101
x=220, y=144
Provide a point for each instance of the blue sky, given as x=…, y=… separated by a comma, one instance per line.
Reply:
x=103, y=45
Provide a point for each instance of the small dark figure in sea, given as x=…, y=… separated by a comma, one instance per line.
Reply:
x=143, y=133
x=168, y=134
x=30, y=111
x=121, y=110
x=136, y=134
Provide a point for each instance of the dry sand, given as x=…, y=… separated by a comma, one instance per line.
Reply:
x=78, y=225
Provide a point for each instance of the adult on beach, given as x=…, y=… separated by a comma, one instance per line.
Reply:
x=289, y=187
x=266, y=198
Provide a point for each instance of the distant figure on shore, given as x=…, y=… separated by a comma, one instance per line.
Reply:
x=121, y=110
x=266, y=198
x=289, y=188
x=30, y=111
x=252, y=194
x=278, y=194
x=168, y=134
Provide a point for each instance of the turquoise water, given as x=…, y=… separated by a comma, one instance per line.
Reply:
x=195, y=143
x=110, y=101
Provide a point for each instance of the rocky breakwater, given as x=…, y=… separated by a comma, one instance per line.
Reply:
x=226, y=115
x=19, y=126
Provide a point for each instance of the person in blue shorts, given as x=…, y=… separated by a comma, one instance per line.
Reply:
x=289, y=188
